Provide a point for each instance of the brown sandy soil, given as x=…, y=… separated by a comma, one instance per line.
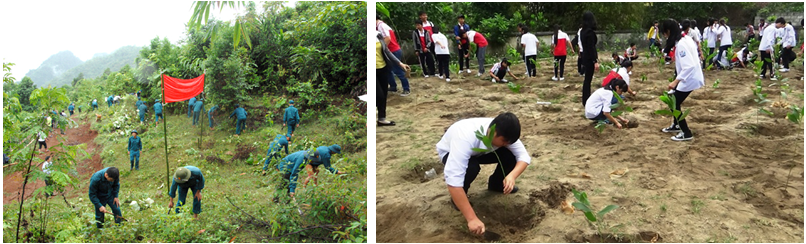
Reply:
x=12, y=183
x=727, y=185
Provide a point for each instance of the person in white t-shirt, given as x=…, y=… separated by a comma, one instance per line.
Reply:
x=788, y=41
x=741, y=57
x=42, y=137
x=463, y=164
x=725, y=40
x=598, y=105
x=46, y=168
x=530, y=44
x=500, y=70
x=765, y=48
x=689, y=75
x=443, y=54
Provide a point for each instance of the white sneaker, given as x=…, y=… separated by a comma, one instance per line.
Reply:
x=426, y=76
x=562, y=78
x=460, y=71
x=784, y=70
x=478, y=75
x=773, y=78
x=441, y=77
x=494, y=81
x=448, y=80
x=554, y=78
x=681, y=137
x=667, y=63
x=468, y=71
x=504, y=80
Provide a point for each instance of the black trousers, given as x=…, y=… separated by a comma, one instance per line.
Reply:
x=443, y=65
x=679, y=98
x=788, y=56
x=381, y=82
x=496, y=180
x=580, y=69
x=464, y=62
x=767, y=58
x=530, y=65
x=560, y=60
x=427, y=62
x=586, y=84
x=43, y=144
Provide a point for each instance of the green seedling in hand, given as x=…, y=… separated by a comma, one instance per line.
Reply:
x=671, y=102
x=594, y=218
x=516, y=88
x=615, y=111
x=488, y=143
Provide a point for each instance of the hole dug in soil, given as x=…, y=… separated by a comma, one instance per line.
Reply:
x=507, y=217
x=416, y=173
x=642, y=237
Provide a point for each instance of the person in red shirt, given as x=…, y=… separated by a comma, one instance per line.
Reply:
x=560, y=42
x=428, y=25
x=422, y=47
x=481, y=47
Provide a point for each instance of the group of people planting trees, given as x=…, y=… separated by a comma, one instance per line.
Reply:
x=105, y=184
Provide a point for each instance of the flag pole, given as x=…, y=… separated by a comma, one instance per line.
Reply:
x=200, y=115
x=165, y=135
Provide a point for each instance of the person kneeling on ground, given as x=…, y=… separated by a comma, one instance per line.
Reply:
x=742, y=57
x=188, y=177
x=279, y=143
x=103, y=190
x=462, y=164
x=321, y=157
x=598, y=106
x=623, y=73
x=500, y=70
x=631, y=52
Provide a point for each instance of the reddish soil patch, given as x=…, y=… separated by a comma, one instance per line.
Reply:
x=12, y=183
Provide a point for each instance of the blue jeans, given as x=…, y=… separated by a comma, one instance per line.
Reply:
x=157, y=116
x=291, y=129
x=196, y=117
x=651, y=44
x=239, y=125
x=719, y=54
x=480, y=55
x=601, y=115
x=99, y=217
x=398, y=71
x=183, y=193
x=135, y=157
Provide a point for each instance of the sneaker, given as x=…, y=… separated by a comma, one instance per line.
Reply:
x=494, y=81
x=773, y=78
x=667, y=63
x=426, y=76
x=671, y=129
x=478, y=75
x=448, y=80
x=784, y=70
x=441, y=77
x=581, y=74
x=405, y=93
x=762, y=76
x=504, y=80
x=554, y=78
x=562, y=78
x=681, y=137
x=460, y=71
x=468, y=71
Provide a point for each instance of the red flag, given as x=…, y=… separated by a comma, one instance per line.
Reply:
x=177, y=90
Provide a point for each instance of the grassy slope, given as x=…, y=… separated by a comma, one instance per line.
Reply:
x=242, y=182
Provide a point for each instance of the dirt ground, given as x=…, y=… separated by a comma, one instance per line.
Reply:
x=727, y=185
x=12, y=183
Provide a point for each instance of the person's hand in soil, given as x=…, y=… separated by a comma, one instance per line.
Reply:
x=633, y=93
x=476, y=227
x=624, y=120
x=509, y=184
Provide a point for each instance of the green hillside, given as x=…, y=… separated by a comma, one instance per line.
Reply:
x=96, y=65
x=56, y=65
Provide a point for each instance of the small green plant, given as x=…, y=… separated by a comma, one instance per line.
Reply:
x=696, y=205
x=663, y=207
x=760, y=98
x=716, y=84
x=671, y=102
x=616, y=110
x=488, y=143
x=516, y=88
x=596, y=219
x=643, y=77
x=795, y=114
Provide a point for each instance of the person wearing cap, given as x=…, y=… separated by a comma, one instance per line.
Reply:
x=137, y=104
x=321, y=157
x=188, y=177
x=71, y=108
x=291, y=118
x=191, y=102
x=210, y=115
x=142, y=108
x=290, y=166
x=135, y=145
x=158, y=111
x=279, y=143
x=103, y=190
x=240, y=114
x=198, y=107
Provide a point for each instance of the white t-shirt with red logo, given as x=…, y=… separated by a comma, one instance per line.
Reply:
x=429, y=27
x=530, y=41
x=560, y=48
x=387, y=31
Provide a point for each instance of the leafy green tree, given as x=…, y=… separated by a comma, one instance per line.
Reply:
x=78, y=78
x=26, y=87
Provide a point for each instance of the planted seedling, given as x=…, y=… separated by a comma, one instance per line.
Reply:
x=670, y=102
x=795, y=115
x=760, y=98
x=596, y=219
x=516, y=88
x=716, y=84
x=643, y=77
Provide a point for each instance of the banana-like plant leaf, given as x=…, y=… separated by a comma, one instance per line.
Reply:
x=616, y=113
x=581, y=207
x=607, y=210
x=480, y=150
x=682, y=117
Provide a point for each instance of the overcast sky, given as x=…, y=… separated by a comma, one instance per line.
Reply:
x=32, y=31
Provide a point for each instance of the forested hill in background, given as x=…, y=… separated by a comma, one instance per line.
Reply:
x=95, y=66
x=57, y=64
